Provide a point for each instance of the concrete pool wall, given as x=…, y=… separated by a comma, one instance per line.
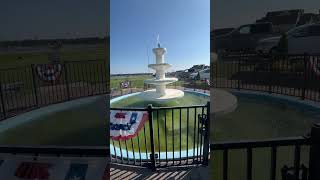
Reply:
x=290, y=99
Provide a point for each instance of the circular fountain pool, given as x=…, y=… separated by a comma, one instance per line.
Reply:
x=172, y=128
x=261, y=116
x=79, y=122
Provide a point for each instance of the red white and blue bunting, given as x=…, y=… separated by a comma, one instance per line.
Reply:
x=125, y=85
x=126, y=124
x=49, y=72
x=46, y=168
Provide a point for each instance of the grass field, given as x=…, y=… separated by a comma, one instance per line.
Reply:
x=18, y=59
x=137, y=81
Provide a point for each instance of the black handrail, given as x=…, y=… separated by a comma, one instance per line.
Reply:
x=285, y=141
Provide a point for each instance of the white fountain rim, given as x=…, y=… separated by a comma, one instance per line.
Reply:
x=161, y=80
x=154, y=96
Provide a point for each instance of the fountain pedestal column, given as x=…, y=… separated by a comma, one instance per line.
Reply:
x=160, y=81
x=161, y=89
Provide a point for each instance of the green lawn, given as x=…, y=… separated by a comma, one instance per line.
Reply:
x=21, y=59
x=136, y=81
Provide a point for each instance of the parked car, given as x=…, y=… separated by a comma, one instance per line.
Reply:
x=204, y=74
x=184, y=74
x=299, y=40
x=201, y=75
x=193, y=75
x=245, y=37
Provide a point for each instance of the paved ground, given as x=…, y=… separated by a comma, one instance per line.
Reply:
x=52, y=168
x=172, y=173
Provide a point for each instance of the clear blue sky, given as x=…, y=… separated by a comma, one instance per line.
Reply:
x=52, y=19
x=183, y=26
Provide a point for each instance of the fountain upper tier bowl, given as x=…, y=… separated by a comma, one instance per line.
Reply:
x=160, y=81
x=170, y=94
x=162, y=66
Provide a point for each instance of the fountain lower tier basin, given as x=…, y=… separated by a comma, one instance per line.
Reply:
x=170, y=94
x=161, y=81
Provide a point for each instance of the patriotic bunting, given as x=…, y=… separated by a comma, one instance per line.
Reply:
x=125, y=125
x=49, y=72
x=125, y=85
x=33, y=170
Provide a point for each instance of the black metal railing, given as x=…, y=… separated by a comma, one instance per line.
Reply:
x=311, y=141
x=139, y=86
x=182, y=139
x=293, y=75
x=29, y=87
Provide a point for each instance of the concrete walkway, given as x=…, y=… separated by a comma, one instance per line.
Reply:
x=123, y=172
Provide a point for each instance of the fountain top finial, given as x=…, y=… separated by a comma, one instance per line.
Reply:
x=158, y=42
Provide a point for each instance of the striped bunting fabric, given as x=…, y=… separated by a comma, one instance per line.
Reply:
x=125, y=124
x=54, y=168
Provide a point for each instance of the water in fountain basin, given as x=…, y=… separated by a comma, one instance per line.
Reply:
x=166, y=122
x=189, y=99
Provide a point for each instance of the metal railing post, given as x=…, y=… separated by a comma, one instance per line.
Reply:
x=270, y=73
x=34, y=85
x=152, y=155
x=107, y=76
x=120, y=88
x=130, y=86
x=206, y=142
x=303, y=95
x=314, y=157
x=205, y=85
x=2, y=101
x=66, y=80
x=239, y=69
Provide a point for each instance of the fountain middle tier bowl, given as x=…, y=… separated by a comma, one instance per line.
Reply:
x=162, y=66
x=161, y=81
x=170, y=94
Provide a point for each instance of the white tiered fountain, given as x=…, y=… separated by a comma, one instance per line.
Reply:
x=161, y=93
